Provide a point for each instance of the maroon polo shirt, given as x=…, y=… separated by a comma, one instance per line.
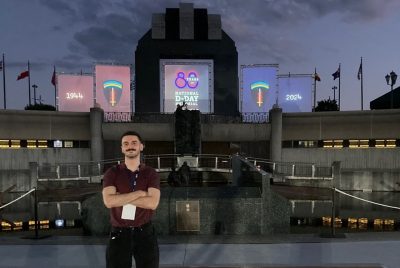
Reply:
x=120, y=177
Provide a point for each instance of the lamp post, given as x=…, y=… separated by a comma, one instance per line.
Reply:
x=34, y=93
x=391, y=80
x=334, y=92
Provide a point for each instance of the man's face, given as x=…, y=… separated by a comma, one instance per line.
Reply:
x=131, y=146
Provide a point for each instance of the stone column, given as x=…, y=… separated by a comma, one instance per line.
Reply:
x=275, y=119
x=266, y=216
x=96, y=133
x=33, y=174
x=236, y=170
x=336, y=174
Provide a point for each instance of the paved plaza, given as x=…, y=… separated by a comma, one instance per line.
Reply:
x=305, y=250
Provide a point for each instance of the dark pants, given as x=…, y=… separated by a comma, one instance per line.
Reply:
x=139, y=242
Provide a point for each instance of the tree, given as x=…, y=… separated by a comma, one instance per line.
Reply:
x=40, y=106
x=327, y=105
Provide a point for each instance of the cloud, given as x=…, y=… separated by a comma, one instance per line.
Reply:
x=291, y=12
x=109, y=30
x=114, y=38
x=350, y=10
x=23, y=65
x=103, y=44
x=77, y=11
x=61, y=7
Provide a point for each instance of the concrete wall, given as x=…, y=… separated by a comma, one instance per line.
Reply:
x=370, y=180
x=252, y=139
x=148, y=131
x=374, y=124
x=295, y=126
x=223, y=210
x=209, y=132
x=226, y=210
x=47, y=125
x=19, y=177
x=14, y=163
x=15, y=159
x=357, y=158
x=235, y=132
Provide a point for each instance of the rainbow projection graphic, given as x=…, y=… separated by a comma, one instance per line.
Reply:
x=257, y=90
x=258, y=83
x=112, y=90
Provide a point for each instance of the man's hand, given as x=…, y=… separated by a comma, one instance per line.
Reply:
x=112, y=198
x=150, y=201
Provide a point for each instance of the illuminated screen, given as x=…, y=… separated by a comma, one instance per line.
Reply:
x=186, y=81
x=113, y=88
x=295, y=93
x=75, y=92
x=259, y=86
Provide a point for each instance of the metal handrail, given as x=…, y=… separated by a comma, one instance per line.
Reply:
x=292, y=169
x=165, y=162
x=159, y=162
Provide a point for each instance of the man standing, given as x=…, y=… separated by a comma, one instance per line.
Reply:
x=132, y=192
x=184, y=172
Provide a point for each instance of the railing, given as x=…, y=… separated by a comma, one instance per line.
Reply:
x=88, y=170
x=164, y=163
x=287, y=169
x=117, y=117
x=75, y=171
x=255, y=117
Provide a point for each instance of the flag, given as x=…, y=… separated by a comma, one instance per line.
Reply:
x=316, y=77
x=359, y=74
x=336, y=74
x=53, y=78
x=1, y=65
x=23, y=75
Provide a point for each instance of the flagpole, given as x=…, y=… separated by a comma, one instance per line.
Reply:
x=4, y=83
x=315, y=88
x=29, y=83
x=362, y=90
x=339, y=85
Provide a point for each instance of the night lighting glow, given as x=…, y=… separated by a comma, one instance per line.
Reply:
x=295, y=93
x=186, y=81
x=258, y=88
x=113, y=91
x=75, y=92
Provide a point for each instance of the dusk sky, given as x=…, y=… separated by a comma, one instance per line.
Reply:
x=299, y=35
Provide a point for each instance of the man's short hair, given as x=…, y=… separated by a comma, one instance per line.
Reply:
x=132, y=133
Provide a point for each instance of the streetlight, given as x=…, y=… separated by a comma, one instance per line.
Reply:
x=334, y=92
x=391, y=80
x=34, y=92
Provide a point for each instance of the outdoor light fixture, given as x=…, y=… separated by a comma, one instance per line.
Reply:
x=393, y=76
x=334, y=92
x=391, y=80
x=59, y=223
x=34, y=93
x=387, y=77
x=57, y=144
